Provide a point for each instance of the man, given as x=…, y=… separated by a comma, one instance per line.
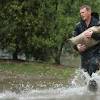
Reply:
x=90, y=58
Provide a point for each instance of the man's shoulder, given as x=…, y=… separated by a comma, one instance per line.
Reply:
x=78, y=24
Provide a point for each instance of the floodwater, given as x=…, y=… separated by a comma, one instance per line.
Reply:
x=11, y=89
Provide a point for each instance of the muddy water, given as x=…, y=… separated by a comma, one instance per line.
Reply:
x=16, y=89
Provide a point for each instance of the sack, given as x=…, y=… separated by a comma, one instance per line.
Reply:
x=81, y=39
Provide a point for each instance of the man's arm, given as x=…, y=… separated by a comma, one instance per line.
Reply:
x=79, y=47
x=96, y=36
x=75, y=33
x=76, y=30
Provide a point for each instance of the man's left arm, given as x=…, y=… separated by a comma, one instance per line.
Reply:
x=96, y=36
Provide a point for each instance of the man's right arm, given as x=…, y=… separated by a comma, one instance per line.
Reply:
x=78, y=47
x=75, y=33
x=76, y=30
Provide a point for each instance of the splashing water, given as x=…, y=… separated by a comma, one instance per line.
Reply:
x=77, y=90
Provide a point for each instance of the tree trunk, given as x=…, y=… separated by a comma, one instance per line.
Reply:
x=15, y=55
x=58, y=55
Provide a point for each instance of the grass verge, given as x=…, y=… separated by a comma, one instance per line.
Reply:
x=42, y=70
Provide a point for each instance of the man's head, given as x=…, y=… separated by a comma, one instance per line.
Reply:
x=85, y=12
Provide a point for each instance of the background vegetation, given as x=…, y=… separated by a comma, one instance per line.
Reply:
x=39, y=28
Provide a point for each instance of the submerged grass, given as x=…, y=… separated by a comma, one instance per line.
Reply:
x=37, y=69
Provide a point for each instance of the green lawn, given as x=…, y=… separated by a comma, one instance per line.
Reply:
x=37, y=69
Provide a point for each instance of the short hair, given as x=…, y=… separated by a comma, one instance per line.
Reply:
x=88, y=8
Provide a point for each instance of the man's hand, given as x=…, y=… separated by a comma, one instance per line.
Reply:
x=88, y=33
x=81, y=47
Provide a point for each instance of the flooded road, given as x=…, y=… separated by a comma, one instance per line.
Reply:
x=11, y=89
x=51, y=94
x=63, y=93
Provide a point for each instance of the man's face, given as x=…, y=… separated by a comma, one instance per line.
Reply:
x=85, y=14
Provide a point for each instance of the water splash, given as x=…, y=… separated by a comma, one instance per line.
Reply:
x=77, y=90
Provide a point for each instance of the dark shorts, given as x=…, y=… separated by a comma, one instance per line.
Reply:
x=90, y=63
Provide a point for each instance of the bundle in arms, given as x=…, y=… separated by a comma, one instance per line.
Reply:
x=82, y=39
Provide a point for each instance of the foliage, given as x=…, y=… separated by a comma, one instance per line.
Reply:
x=38, y=28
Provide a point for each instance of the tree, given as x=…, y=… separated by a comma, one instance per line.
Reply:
x=38, y=28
